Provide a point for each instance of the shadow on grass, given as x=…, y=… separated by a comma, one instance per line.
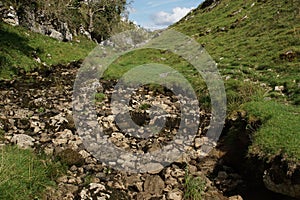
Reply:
x=11, y=44
x=9, y=39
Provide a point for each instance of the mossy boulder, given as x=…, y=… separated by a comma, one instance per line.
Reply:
x=70, y=157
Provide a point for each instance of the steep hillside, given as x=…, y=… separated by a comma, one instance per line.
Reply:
x=256, y=39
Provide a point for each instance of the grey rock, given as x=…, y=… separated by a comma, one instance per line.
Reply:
x=154, y=185
x=70, y=157
x=285, y=186
x=236, y=197
x=175, y=195
x=10, y=16
x=176, y=173
x=62, y=179
x=143, y=195
x=44, y=138
x=279, y=88
x=153, y=168
x=67, y=35
x=170, y=181
x=23, y=141
x=56, y=35
x=63, y=137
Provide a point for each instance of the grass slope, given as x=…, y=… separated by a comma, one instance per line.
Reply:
x=18, y=47
x=249, y=40
x=257, y=43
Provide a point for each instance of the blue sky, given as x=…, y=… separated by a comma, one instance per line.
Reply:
x=156, y=14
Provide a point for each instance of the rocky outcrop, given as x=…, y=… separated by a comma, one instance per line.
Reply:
x=36, y=22
x=278, y=178
x=9, y=15
x=209, y=4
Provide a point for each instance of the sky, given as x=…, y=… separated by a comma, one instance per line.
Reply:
x=158, y=14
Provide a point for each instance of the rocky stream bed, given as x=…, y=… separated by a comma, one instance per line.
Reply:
x=36, y=112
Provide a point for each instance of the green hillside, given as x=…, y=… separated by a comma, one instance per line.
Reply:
x=256, y=43
x=256, y=40
x=19, y=48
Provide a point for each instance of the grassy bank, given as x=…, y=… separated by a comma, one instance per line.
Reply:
x=19, y=49
x=279, y=133
x=24, y=175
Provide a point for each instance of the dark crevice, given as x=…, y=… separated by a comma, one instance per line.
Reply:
x=235, y=141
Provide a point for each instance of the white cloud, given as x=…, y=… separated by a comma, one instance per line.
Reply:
x=164, y=19
x=131, y=9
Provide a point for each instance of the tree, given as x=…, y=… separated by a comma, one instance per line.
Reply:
x=102, y=15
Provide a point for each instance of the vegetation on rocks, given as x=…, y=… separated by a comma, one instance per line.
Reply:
x=99, y=18
x=100, y=97
x=193, y=187
x=278, y=134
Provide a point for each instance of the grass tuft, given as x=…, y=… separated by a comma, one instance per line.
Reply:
x=24, y=175
x=99, y=97
x=279, y=133
x=193, y=187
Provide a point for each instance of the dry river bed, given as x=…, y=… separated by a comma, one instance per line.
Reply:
x=36, y=112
